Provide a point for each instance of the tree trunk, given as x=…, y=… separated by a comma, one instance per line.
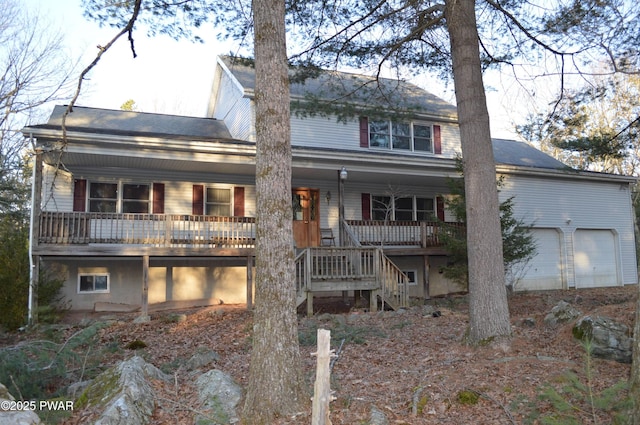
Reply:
x=488, y=308
x=275, y=386
x=634, y=379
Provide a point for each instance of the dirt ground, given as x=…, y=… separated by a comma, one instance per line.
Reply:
x=413, y=365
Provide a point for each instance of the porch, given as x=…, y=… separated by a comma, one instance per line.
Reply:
x=359, y=262
x=82, y=230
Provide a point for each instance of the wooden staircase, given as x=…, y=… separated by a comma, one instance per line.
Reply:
x=329, y=269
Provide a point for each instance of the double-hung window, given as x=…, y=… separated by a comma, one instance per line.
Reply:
x=119, y=197
x=405, y=208
x=401, y=136
x=218, y=202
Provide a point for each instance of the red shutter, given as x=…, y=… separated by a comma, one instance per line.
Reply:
x=437, y=140
x=197, y=207
x=158, y=198
x=440, y=207
x=366, y=206
x=238, y=201
x=364, y=132
x=79, y=195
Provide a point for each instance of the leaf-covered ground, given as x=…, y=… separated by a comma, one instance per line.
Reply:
x=413, y=366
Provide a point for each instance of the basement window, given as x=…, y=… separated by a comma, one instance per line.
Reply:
x=411, y=274
x=93, y=283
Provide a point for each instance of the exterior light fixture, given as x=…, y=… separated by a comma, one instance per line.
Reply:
x=343, y=173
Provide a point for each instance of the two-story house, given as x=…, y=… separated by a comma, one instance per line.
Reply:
x=137, y=209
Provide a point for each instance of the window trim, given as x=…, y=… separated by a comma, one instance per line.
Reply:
x=100, y=291
x=391, y=124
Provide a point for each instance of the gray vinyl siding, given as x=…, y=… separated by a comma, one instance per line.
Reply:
x=57, y=190
x=234, y=109
x=572, y=204
x=328, y=132
x=325, y=132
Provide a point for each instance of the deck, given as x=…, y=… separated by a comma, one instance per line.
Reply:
x=80, y=233
x=360, y=263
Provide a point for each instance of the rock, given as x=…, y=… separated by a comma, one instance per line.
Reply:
x=219, y=396
x=201, y=358
x=563, y=312
x=75, y=389
x=527, y=322
x=142, y=319
x=123, y=393
x=377, y=417
x=15, y=417
x=610, y=340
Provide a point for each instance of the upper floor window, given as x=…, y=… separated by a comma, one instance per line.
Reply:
x=400, y=136
x=124, y=197
x=405, y=208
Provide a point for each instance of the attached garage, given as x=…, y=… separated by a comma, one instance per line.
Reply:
x=595, y=258
x=544, y=271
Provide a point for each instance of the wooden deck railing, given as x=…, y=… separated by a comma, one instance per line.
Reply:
x=317, y=268
x=401, y=233
x=147, y=229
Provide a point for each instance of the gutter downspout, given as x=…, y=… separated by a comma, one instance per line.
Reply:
x=31, y=224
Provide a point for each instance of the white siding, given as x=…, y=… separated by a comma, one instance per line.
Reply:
x=570, y=204
x=178, y=193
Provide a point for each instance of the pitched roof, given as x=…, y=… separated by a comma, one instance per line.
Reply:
x=109, y=121
x=512, y=152
x=342, y=87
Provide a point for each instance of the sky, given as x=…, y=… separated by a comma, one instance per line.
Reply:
x=175, y=77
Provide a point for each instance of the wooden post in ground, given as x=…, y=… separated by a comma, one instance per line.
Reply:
x=310, y=304
x=322, y=388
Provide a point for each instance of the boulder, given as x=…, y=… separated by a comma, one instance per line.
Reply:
x=123, y=393
x=219, y=396
x=377, y=417
x=15, y=417
x=609, y=339
x=202, y=358
x=563, y=312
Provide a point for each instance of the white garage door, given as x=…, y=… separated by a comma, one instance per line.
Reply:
x=595, y=258
x=544, y=271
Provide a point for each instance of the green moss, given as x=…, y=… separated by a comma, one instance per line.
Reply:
x=136, y=345
x=422, y=403
x=100, y=391
x=582, y=332
x=468, y=397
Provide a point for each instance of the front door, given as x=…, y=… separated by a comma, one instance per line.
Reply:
x=306, y=216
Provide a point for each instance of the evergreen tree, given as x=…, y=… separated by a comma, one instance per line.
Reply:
x=518, y=243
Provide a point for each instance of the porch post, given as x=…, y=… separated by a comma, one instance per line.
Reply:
x=34, y=235
x=145, y=286
x=342, y=176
